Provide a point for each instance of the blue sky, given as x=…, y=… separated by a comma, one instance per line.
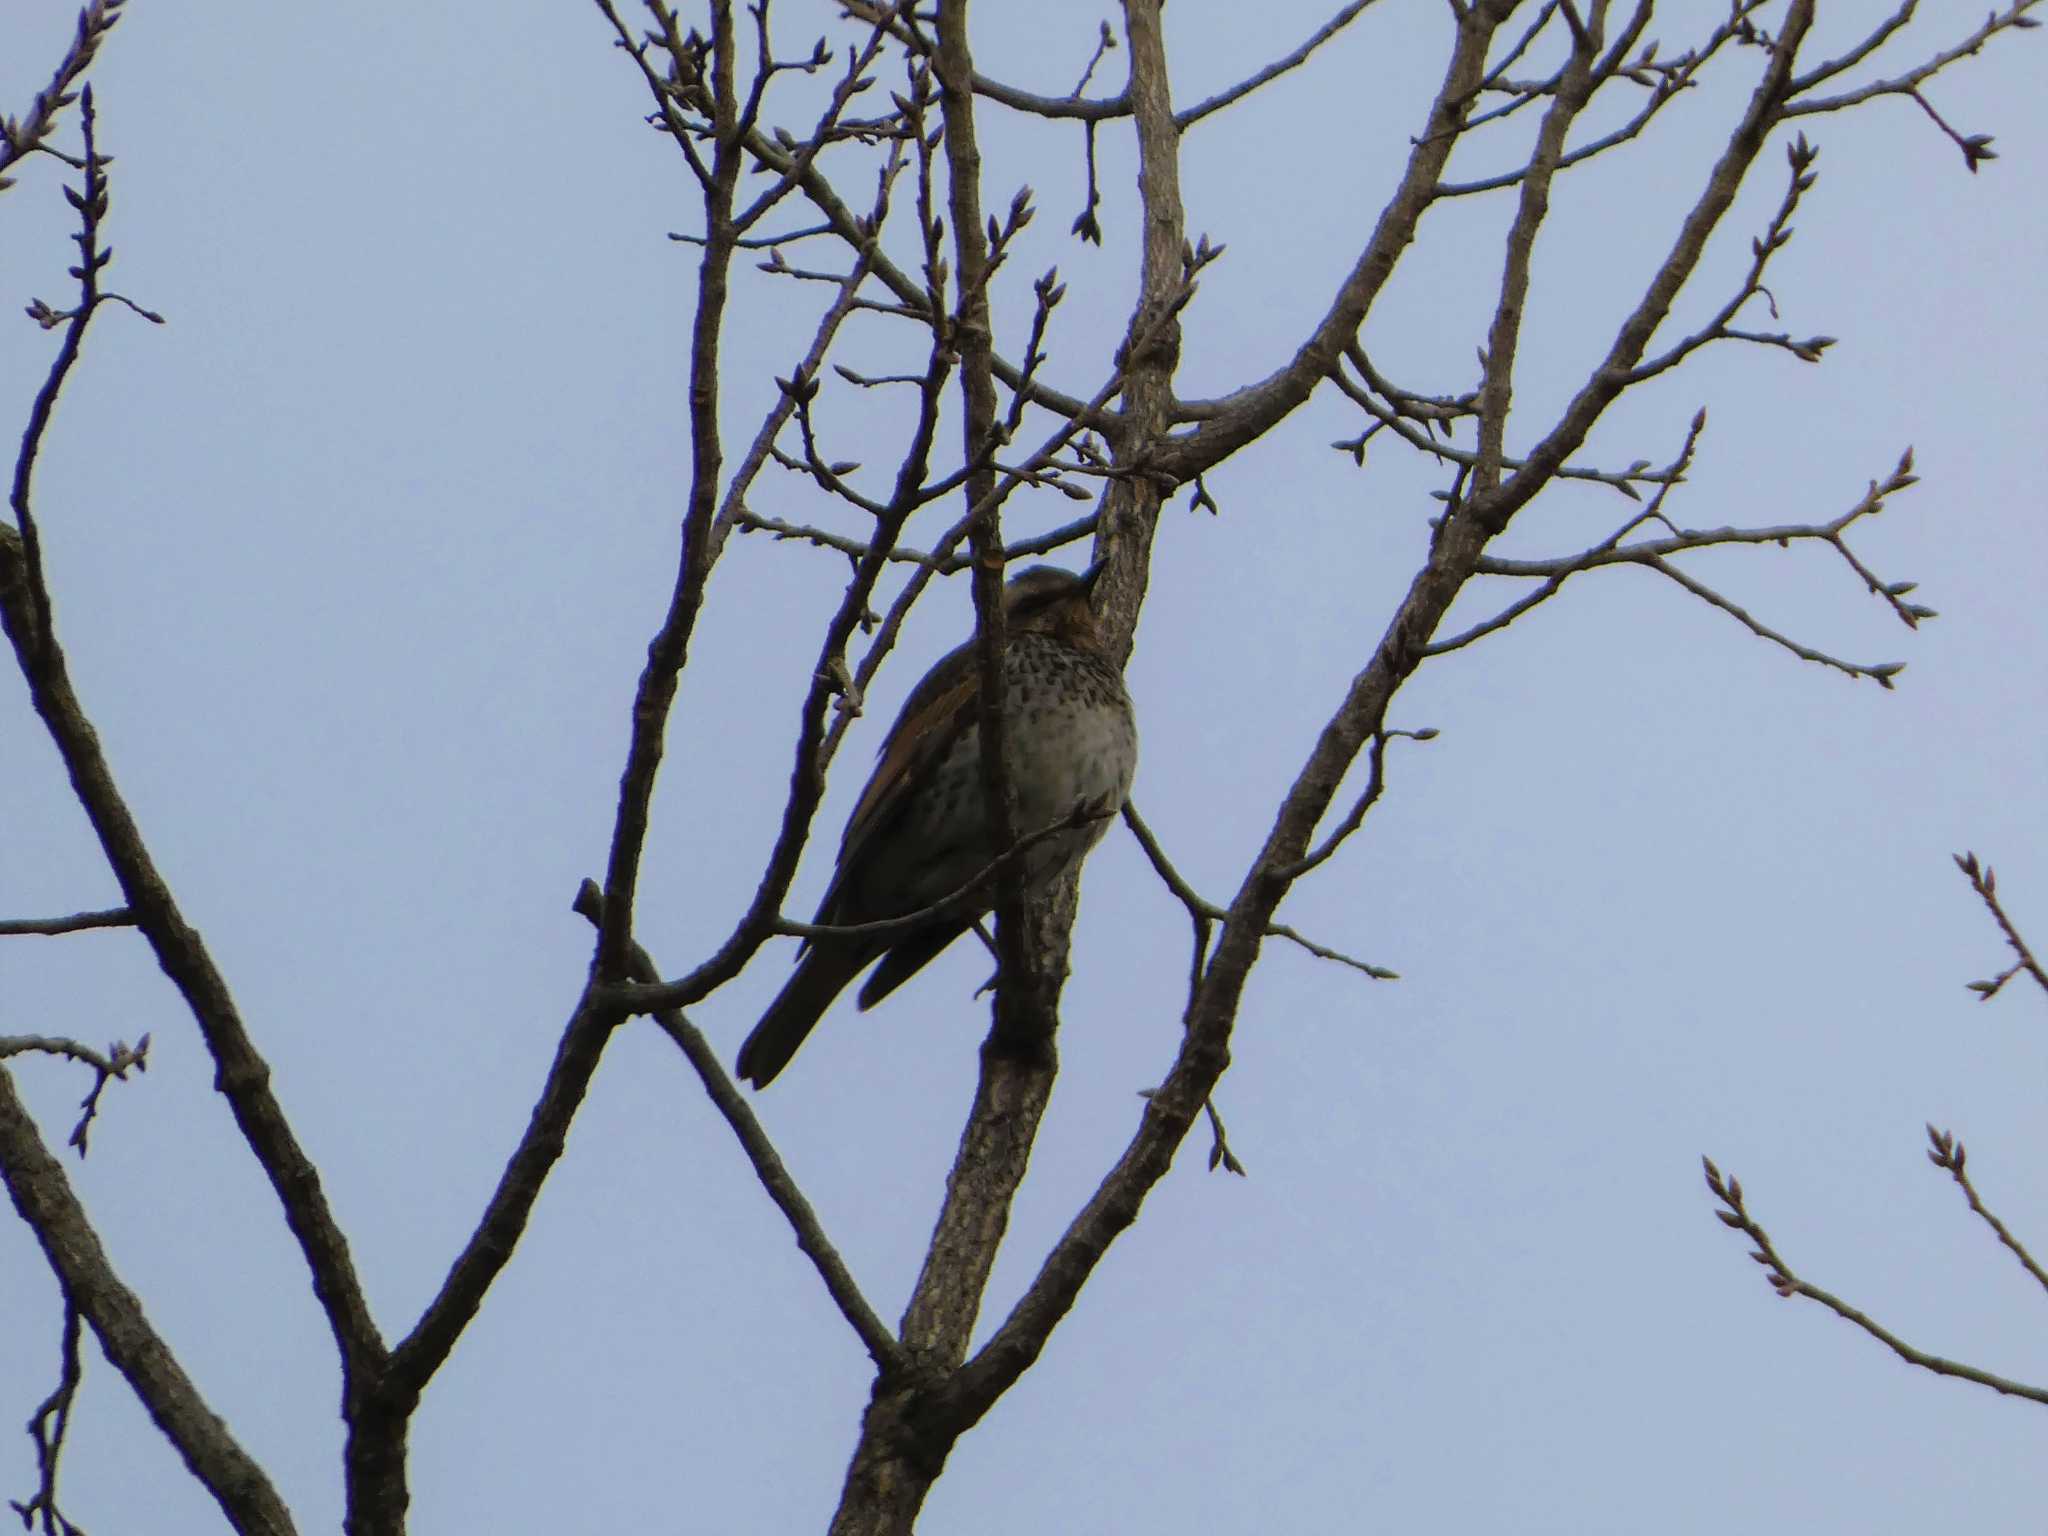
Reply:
x=356, y=562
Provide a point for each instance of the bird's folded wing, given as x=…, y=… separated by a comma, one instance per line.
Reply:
x=939, y=708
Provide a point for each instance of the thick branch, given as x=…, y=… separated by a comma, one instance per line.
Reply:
x=43, y=1196
x=1251, y=412
x=1614, y=373
x=241, y=1073
x=1497, y=387
x=1019, y=1001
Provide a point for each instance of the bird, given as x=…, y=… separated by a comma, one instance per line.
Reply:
x=919, y=831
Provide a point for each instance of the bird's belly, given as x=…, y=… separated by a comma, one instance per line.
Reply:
x=1065, y=759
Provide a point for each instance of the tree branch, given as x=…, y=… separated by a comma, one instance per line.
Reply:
x=1251, y=412
x=1948, y=1154
x=241, y=1073
x=1984, y=881
x=77, y=922
x=23, y=137
x=882, y=1346
x=1735, y=1215
x=43, y=1196
x=108, y=1066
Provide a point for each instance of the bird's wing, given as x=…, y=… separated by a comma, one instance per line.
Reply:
x=938, y=709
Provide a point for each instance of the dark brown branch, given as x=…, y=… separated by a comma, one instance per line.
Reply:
x=808, y=150
x=1400, y=413
x=1613, y=375
x=874, y=1334
x=889, y=1475
x=814, y=744
x=732, y=507
x=943, y=550
x=589, y=1028
x=47, y=1427
x=1782, y=1280
x=1375, y=785
x=1554, y=578
x=489, y=1249
x=1204, y=911
x=669, y=651
x=241, y=1073
x=1251, y=412
x=913, y=295
x=1454, y=556
x=946, y=565
x=43, y=1196
x=1203, y=914
x=1189, y=116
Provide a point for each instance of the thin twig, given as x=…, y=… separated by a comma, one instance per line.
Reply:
x=47, y=1427
x=1881, y=673
x=1947, y=1153
x=1375, y=784
x=1671, y=82
x=1203, y=910
x=1908, y=84
x=1984, y=881
x=1103, y=108
x=945, y=565
x=1735, y=1214
x=1800, y=155
x=108, y=1065
x=23, y=137
x=77, y=922
x=1188, y=116
x=1554, y=580
x=882, y=1345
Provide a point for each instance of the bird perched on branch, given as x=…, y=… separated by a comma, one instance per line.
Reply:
x=920, y=830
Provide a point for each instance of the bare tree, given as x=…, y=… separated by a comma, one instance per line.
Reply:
x=876, y=202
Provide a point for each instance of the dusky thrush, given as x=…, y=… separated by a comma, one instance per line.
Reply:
x=920, y=830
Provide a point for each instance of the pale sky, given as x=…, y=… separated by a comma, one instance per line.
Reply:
x=356, y=561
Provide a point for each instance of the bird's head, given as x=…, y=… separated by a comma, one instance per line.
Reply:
x=1048, y=600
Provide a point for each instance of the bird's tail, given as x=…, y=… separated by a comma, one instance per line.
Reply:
x=820, y=977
